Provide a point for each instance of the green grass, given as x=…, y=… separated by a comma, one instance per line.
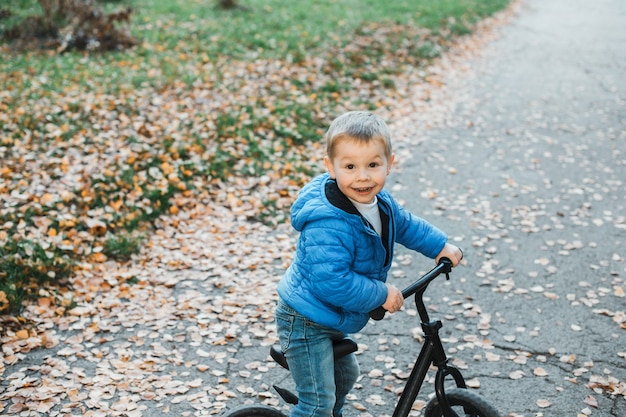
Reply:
x=122, y=246
x=206, y=97
x=269, y=29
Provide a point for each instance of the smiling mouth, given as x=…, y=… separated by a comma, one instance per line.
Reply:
x=363, y=190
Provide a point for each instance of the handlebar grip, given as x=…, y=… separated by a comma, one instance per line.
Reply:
x=443, y=267
x=378, y=313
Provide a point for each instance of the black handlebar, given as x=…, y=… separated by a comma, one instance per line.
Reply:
x=378, y=313
x=443, y=267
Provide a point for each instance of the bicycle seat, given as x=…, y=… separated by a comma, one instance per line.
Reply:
x=341, y=348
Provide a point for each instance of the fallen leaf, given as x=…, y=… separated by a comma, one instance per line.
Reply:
x=543, y=403
x=590, y=400
x=22, y=334
x=473, y=383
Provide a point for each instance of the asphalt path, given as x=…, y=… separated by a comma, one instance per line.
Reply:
x=528, y=175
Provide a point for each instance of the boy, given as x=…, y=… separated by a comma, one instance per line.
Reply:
x=348, y=226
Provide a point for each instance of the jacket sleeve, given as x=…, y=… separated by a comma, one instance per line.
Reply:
x=328, y=249
x=416, y=233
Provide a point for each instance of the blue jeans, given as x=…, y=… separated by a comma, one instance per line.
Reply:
x=322, y=383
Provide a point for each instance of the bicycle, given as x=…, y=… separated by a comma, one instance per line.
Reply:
x=444, y=404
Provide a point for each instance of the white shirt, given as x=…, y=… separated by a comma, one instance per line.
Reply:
x=371, y=213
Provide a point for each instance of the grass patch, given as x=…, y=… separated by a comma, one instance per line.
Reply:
x=122, y=246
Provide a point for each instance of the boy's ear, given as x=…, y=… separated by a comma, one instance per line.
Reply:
x=390, y=163
x=329, y=166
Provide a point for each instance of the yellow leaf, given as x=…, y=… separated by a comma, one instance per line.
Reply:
x=116, y=205
x=167, y=168
x=46, y=198
x=98, y=257
x=44, y=302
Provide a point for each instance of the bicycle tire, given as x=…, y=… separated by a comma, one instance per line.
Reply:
x=254, y=411
x=463, y=403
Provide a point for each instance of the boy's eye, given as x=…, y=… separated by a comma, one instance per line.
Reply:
x=373, y=164
x=350, y=166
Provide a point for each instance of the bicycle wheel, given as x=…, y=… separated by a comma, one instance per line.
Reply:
x=254, y=411
x=463, y=403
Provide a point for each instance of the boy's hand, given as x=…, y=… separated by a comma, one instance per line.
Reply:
x=395, y=300
x=451, y=252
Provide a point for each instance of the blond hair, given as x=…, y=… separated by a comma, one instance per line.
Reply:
x=361, y=126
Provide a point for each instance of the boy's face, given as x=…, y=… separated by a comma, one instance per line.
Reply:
x=359, y=168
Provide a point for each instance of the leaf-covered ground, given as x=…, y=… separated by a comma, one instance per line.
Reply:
x=94, y=149
x=169, y=332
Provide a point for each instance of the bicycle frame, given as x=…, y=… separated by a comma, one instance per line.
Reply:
x=432, y=351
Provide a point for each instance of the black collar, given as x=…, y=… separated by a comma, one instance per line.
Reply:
x=339, y=199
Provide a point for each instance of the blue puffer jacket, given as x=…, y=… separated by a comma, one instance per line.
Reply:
x=340, y=267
